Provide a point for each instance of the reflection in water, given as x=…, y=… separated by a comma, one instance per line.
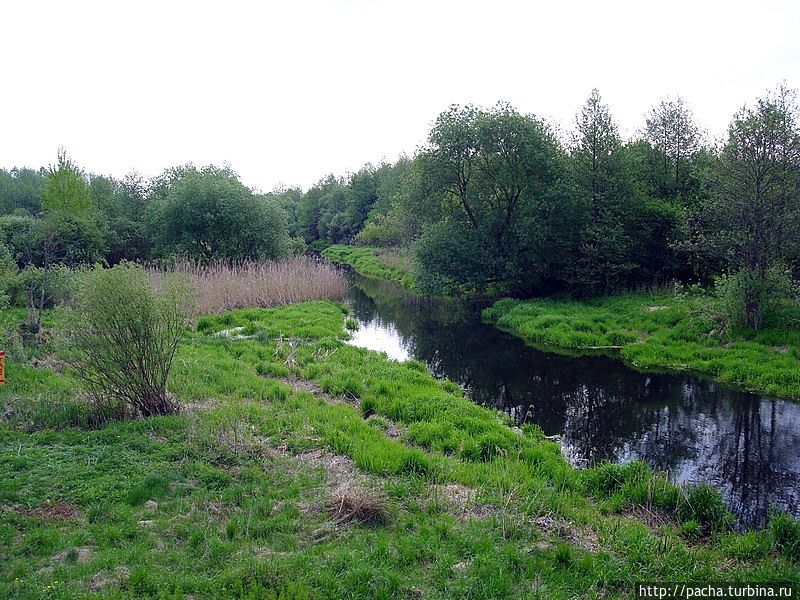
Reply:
x=746, y=446
x=380, y=336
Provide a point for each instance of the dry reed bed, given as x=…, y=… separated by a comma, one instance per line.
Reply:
x=222, y=286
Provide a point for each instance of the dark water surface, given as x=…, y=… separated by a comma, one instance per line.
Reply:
x=745, y=445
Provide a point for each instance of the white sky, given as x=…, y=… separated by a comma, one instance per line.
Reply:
x=289, y=91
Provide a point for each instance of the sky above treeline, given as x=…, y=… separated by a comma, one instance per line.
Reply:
x=286, y=92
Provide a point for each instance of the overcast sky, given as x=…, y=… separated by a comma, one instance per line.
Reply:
x=289, y=91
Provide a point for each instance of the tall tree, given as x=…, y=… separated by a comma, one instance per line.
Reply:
x=209, y=214
x=601, y=203
x=65, y=189
x=595, y=148
x=672, y=132
x=492, y=176
x=759, y=190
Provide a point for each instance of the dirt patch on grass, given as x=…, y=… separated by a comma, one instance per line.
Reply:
x=461, y=501
x=337, y=469
x=50, y=511
x=105, y=578
x=306, y=385
x=586, y=539
x=80, y=554
x=198, y=406
x=50, y=363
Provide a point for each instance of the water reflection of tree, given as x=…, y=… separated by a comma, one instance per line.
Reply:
x=746, y=446
x=756, y=456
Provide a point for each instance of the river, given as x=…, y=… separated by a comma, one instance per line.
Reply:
x=745, y=445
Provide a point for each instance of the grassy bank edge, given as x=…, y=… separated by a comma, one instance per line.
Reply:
x=380, y=263
x=659, y=331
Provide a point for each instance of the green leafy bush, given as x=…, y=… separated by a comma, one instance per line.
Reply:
x=748, y=299
x=124, y=334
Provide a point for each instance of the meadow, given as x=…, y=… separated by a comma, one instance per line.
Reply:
x=302, y=467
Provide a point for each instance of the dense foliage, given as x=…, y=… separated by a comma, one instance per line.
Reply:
x=64, y=216
x=495, y=202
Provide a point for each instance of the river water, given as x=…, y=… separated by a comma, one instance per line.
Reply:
x=747, y=446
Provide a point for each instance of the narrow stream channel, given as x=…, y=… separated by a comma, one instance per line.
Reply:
x=745, y=445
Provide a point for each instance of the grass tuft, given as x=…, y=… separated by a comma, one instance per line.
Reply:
x=350, y=503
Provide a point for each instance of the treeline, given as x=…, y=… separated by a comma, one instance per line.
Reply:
x=495, y=202
x=62, y=215
x=57, y=219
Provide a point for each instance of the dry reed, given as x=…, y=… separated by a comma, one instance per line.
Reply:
x=222, y=286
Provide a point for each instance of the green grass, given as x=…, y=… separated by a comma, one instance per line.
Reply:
x=664, y=331
x=380, y=263
x=223, y=501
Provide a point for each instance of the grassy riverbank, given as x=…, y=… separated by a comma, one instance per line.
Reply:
x=380, y=263
x=306, y=468
x=664, y=331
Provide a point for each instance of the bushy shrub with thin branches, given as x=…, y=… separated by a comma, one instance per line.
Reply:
x=124, y=334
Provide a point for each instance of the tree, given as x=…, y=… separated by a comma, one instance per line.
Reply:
x=311, y=208
x=209, y=214
x=595, y=147
x=20, y=191
x=671, y=131
x=65, y=189
x=493, y=176
x=602, y=204
x=362, y=193
x=121, y=205
x=70, y=224
x=759, y=184
x=67, y=233
x=388, y=222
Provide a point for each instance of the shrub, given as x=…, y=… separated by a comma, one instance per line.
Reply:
x=8, y=272
x=382, y=231
x=37, y=289
x=124, y=335
x=747, y=299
